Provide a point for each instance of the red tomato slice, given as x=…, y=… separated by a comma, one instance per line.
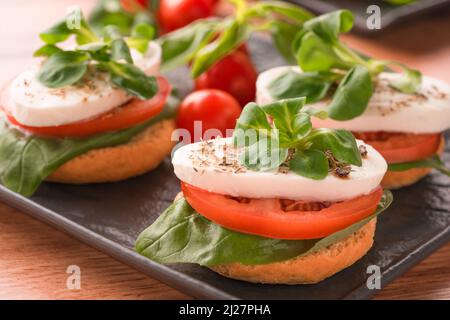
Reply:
x=132, y=113
x=401, y=147
x=265, y=217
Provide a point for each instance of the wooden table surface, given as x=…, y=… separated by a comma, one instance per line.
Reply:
x=34, y=257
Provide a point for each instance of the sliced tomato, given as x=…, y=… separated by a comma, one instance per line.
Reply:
x=402, y=147
x=266, y=218
x=130, y=114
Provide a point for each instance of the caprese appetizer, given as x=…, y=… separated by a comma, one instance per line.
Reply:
x=95, y=111
x=280, y=202
x=402, y=115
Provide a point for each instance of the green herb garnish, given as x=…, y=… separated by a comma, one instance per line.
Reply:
x=291, y=138
x=328, y=64
x=110, y=12
x=109, y=53
x=206, y=41
x=399, y=2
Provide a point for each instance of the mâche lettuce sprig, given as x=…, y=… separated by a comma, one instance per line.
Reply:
x=206, y=41
x=281, y=133
x=329, y=64
x=111, y=12
x=109, y=53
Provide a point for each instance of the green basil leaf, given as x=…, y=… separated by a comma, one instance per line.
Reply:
x=310, y=163
x=119, y=48
x=293, y=12
x=26, y=160
x=315, y=112
x=283, y=35
x=341, y=143
x=132, y=79
x=352, y=95
x=181, y=235
x=315, y=54
x=432, y=162
x=120, y=51
x=263, y=155
x=233, y=35
x=109, y=12
x=140, y=44
x=46, y=51
x=111, y=33
x=178, y=47
x=399, y=2
x=140, y=37
x=409, y=82
x=63, y=68
x=292, y=124
x=98, y=51
x=57, y=33
x=251, y=126
x=92, y=47
x=143, y=30
x=290, y=84
x=284, y=112
x=63, y=29
x=328, y=26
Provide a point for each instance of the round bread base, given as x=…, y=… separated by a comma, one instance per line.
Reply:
x=143, y=153
x=399, y=179
x=308, y=269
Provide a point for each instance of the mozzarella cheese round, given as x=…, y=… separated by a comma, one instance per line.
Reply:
x=203, y=165
x=33, y=104
x=427, y=111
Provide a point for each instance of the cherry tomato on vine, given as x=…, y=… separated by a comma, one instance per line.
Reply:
x=133, y=6
x=234, y=74
x=174, y=14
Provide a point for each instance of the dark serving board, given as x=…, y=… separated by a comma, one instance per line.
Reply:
x=110, y=216
x=390, y=14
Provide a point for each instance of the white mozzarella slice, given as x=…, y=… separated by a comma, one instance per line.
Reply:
x=194, y=165
x=427, y=111
x=33, y=104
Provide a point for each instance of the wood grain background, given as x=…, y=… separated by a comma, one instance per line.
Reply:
x=34, y=257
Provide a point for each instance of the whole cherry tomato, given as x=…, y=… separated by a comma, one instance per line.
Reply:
x=214, y=108
x=134, y=6
x=174, y=14
x=234, y=74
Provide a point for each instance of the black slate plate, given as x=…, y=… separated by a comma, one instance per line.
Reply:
x=110, y=216
x=390, y=14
